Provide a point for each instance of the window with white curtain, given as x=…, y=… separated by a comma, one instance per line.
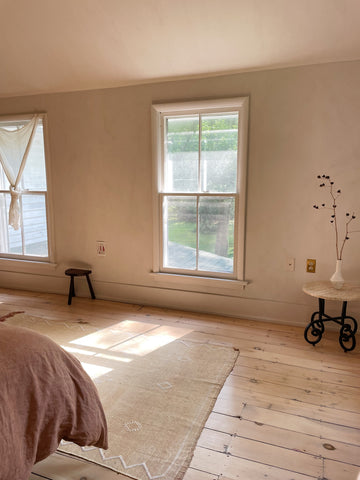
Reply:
x=200, y=181
x=31, y=240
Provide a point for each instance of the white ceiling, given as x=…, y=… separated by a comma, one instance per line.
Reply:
x=66, y=45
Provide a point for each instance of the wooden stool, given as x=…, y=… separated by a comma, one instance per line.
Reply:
x=78, y=272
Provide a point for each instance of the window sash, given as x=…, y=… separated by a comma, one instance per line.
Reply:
x=201, y=153
x=24, y=255
x=159, y=113
x=198, y=271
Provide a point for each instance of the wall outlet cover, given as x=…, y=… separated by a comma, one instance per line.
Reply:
x=101, y=248
x=311, y=265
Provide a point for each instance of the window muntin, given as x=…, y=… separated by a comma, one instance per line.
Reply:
x=200, y=188
x=31, y=241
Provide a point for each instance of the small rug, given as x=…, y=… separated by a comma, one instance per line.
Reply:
x=157, y=387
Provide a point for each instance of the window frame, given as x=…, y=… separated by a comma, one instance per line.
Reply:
x=158, y=114
x=34, y=259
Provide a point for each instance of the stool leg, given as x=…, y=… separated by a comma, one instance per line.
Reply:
x=90, y=287
x=73, y=287
x=71, y=290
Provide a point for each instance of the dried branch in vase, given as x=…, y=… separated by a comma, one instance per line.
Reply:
x=335, y=194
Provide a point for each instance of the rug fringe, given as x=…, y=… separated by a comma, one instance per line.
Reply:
x=87, y=460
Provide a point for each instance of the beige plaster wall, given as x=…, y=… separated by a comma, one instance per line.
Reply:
x=303, y=121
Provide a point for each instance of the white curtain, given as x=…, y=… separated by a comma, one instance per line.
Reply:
x=14, y=149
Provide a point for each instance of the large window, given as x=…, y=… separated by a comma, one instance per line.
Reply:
x=200, y=179
x=31, y=240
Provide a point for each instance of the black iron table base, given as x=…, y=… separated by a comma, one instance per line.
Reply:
x=314, y=331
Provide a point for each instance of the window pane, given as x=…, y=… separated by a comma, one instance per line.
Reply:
x=219, y=149
x=4, y=182
x=181, y=154
x=34, y=223
x=10, y=239
x=34, y=175
x=216, y=234
x=180, y=232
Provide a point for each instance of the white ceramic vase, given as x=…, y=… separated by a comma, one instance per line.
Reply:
x=337, y=279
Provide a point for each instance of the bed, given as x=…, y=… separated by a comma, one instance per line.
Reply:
x=45, y=396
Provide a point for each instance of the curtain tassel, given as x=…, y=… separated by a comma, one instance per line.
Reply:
x=14, y=210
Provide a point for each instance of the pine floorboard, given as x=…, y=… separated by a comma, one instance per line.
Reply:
x=288, y=411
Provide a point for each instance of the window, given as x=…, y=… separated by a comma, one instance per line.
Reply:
x=31, y=240
x=200, y=180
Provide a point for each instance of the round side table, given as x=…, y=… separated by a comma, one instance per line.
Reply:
x=325, y=291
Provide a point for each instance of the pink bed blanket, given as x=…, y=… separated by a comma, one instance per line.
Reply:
x=45, y=396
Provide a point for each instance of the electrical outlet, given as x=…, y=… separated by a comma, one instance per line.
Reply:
x=311, y=265
x=291, y=264
x=101, y=248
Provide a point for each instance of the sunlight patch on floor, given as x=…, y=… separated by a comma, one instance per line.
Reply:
x=95, y=371
x=128, y=337
x=77, y=350
x=144, y=344
x=110, y=336
x=114, y=357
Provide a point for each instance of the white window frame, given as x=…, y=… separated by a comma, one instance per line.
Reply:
x=9, y=261
x=159, y=111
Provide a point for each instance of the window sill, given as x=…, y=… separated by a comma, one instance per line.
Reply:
x=210, y=285
x=26, y=266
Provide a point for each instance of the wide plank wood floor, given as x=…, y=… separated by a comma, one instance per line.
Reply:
x=288, y=411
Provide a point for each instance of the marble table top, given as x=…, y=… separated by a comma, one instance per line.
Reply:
x=325, y=290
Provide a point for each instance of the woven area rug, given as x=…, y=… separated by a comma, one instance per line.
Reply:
x=157, y=387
